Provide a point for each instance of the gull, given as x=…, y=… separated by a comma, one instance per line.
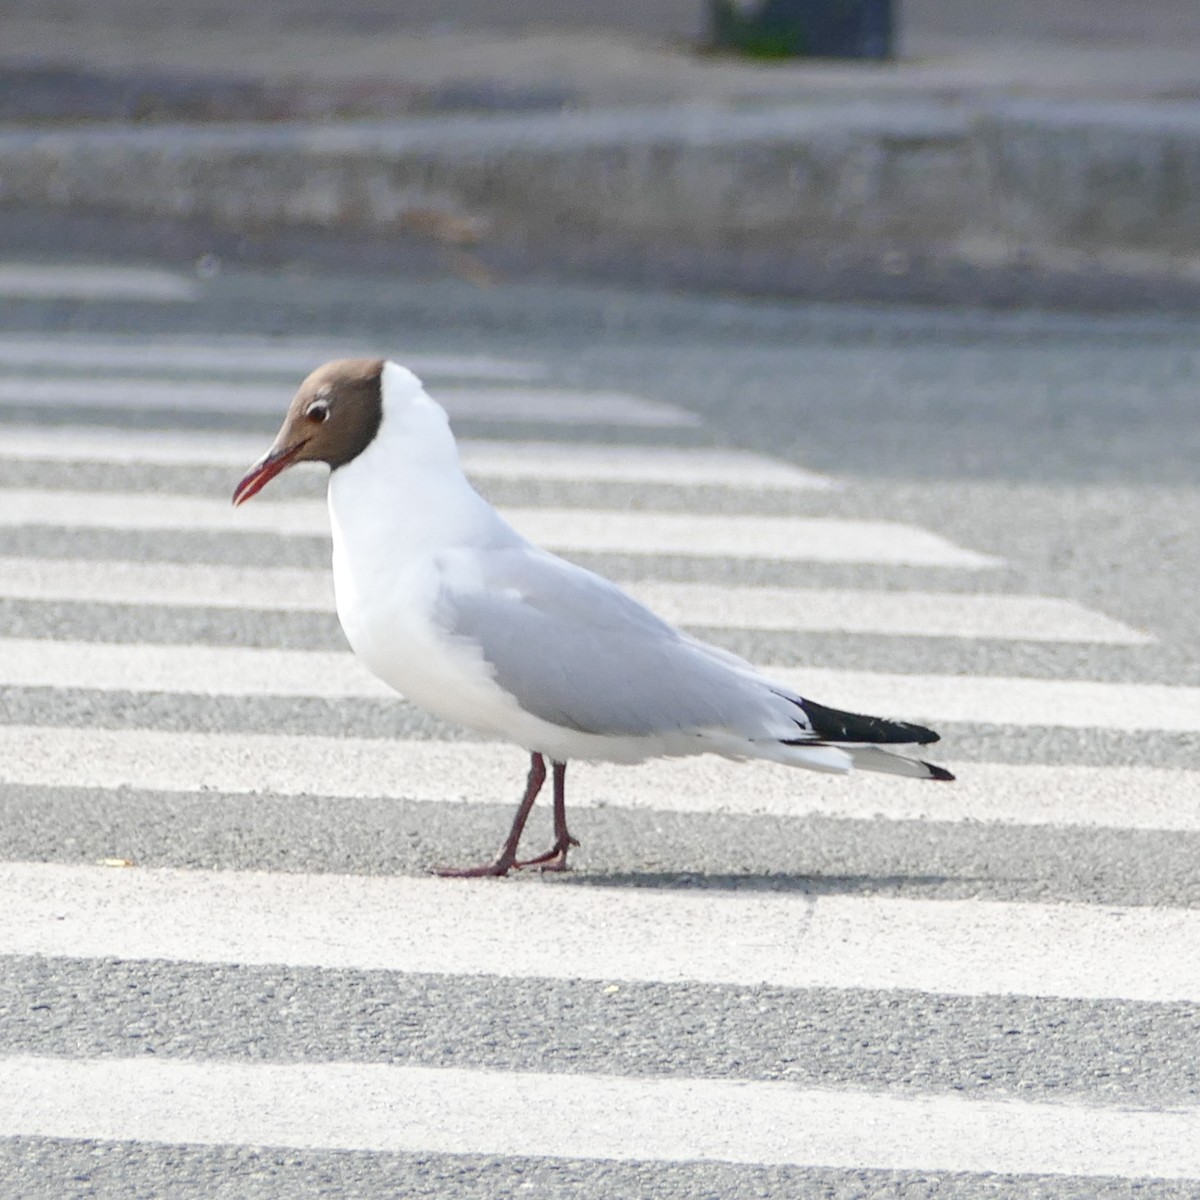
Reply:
x=449, y=605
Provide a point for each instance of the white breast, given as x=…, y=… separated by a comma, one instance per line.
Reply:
x=403, y=519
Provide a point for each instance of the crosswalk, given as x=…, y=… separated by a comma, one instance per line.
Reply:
x=251, y=671
x=153, y=760
x=585, y=1116
x=155, y=832
x=292, y=589
x=492, y=459
x=967, y=948
x=793, y=539
x=497, y=403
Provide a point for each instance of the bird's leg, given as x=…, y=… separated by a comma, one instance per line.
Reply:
x=555, y=859
x=507, y=858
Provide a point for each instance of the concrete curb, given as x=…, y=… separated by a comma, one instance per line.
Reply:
x=1026, y=182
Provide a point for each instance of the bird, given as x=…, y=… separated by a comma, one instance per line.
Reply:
x=448, y=604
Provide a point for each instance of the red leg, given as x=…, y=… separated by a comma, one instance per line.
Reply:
x=555, y=859
x=507, y=858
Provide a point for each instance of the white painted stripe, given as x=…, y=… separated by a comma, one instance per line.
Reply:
x=997, y=700
x=540, y=405
x=294, y=356
x=281, y=589
x=906, y=614
x=637, y=464
x=791, y=539
x=437, y=926
x=159, y=394
x=129, y=447
x=37, y=281
x=386, y=1108
x=244, y=671
x=562, y=407
x=186, y=670
x=483, y=773
x=566, y=461
x=913, y=614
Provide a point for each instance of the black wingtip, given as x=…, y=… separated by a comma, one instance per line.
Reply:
x=833, y=725
x=936, y=772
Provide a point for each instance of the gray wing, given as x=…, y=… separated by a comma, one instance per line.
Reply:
x=575, y=650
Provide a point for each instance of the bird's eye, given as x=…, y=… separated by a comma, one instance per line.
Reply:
x=317, y=412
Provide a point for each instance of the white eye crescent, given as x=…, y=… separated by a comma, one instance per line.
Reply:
x=317, y=411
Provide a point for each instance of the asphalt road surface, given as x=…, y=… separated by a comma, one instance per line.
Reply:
x=226, y=970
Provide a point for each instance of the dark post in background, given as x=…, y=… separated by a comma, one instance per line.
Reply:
x=803, y=28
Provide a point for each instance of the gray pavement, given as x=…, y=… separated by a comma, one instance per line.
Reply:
x=1065, y=445
x=1018, y=1046
x=204, y=1172
x=817, y=856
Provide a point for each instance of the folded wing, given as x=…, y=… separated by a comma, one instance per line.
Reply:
x=579, y=653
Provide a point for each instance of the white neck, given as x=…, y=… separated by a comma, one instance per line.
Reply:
x=405, y=495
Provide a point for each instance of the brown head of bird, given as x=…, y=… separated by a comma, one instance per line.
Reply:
x=331, y=419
